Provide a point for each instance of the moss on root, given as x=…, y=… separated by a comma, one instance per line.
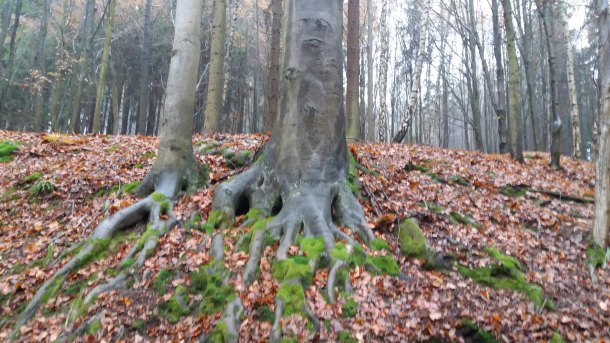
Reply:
x=162, y=280
x=340, y=252
x=293, y=296
x=173, y=309
x=382, y=265
x=350, y=308
x=507, y=273
x=216, y=220
x=412, y=240
x=219, y=334
x=294, y=267
x=379, y=244
x=313, y=247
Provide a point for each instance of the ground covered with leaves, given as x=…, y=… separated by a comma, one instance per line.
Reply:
x=504, y=254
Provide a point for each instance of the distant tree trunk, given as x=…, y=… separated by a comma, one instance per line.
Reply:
x=116, y=89
x=7, y=9
x=548, y=17
x=228, y=103
x=127, y=100
x=475, y=101
x=8, y=75
x=353, y=70
x=405, y=126
x=516, y=123
x=384, y=46
x=41, y=60
x=602, y=190
x=213, y=107
x=575, y=115
x=86, y=46
x=273, y=78
x=101, y=82
x=501, y=80
x=370, y=114
x=144, y=89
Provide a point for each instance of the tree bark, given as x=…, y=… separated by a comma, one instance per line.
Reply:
x=382, y=72
x=101, y=81
x=370, y=114
x=574, y=112
x=273, y=78
x=144, y=89
x=213, y=107
x=41, y=60
x=353, y=70
x=8, y=75
x=501, y=80
x=516, y=122
x=602, y=190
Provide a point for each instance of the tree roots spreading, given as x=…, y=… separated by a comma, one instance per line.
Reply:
x=159, y=209
x=308, y=215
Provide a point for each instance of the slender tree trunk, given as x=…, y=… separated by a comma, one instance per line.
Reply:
x=353, y=70
x=475, y=102
x=86, y=46
x=144, y=89
x=8, y=76
x=213, y=107
x=41, y=60
x=601, y=224
x=547, y=13
x=575, y=115
x=274, y=65
x=101, y=82
x=382, y=72
x=516, y=122
x=370, y=114
x=501, y=80
x=7, y=10
x=405, y=126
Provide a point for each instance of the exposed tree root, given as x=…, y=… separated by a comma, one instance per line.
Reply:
x=167, y=186
x=311, y=209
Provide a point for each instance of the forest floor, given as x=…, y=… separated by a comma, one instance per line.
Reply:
x=57, y=188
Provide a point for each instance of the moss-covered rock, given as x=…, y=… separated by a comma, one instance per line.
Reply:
x=293, y=296
x=412, y=240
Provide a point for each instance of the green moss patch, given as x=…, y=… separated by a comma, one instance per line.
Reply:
x=382, y=265
x=465, y=219
x=353, y=181
x=216, y=219
x=350, y=308
x=344, y=337
x=264, y=314
x=597, y=257
x=219, y=334
x=209, y=283
x=412, y=240
x=35, y=176
x=379, y=244
x=293, y=296
x=409, y=167
x=507, y=273
x=556, y=338
x=340, y=252
x=471, y=332
x=7, y=149
x=458, y=180
x=313, y=247
x=42, y=187
x=173, y=309
x=294, y=267
x=518, y=191
x=237, y=159
x=138, y=325
x=432, y=206
x=162, y=280
x=95, y=327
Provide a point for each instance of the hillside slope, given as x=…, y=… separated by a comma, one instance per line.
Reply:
x=475, y=210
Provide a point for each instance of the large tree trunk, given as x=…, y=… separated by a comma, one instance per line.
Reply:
x=353, y=70
x=273, y=79
x=602, y=189
x=302, y=174
x=213, y=107
x=101, y=82
x=516, y=122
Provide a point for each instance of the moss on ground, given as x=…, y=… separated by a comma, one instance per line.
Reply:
x=383, y=265
x=350, y=308
x=290, y=339
x=344, y=337
x=353, y=182
x=507, y=273
x=237, y=159
x=471, y=332
x=379, y=244
x=556, y=338
x=7, y=149
x=42, y=187
x=162, y=280
x=294, y=267
x=293, y=296
x=209, y=283
x=432, y=207
x=514, y=191
x=597, y=257
x=340, y=252
x=219, y=334
x=411, y=238
x=138, y=325
x=94, y=327
x=35, y=176
x=173, y=309
x=465, y=219
x=264, y=314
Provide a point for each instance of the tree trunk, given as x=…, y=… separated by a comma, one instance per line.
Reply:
x=574, y=113
x=7, y=9
x=144, y=90
x=273, y=78
x=41, y=60
x=382, y=72
x=501, y=80
x=353, y=70
x=213, y=106
x=516, y=122
x=405, y=126
x=8, y=75
x=86, y=46
x=547, y=12
x=602, y=190
x=370, y=114
x=101, y=82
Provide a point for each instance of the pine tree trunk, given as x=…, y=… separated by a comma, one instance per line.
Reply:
x=101, y=82
x=602, y=190
x=516, y=122
x=353, y=70
x=213, y=106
